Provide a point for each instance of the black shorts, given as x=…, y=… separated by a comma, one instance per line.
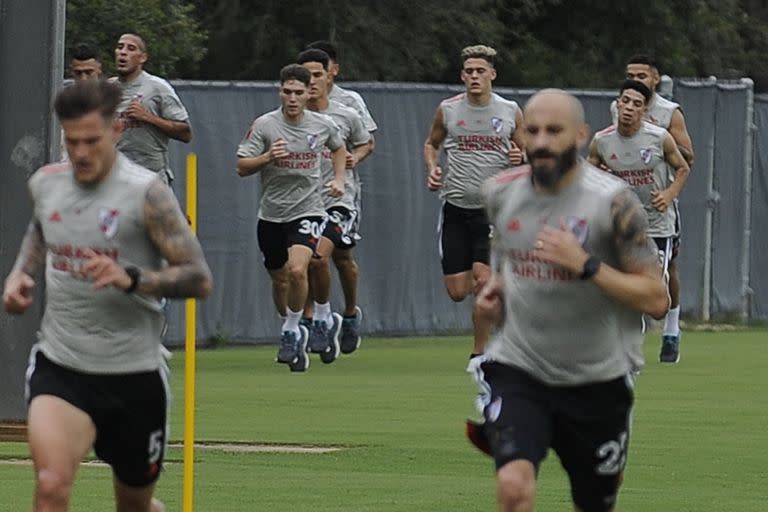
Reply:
x=587, y=426
x=668, y=248
x=276, y=237
x=130, y=412
x=464, y=238
x=341, y=227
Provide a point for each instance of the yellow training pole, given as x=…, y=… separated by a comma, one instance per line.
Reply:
x=189, y=352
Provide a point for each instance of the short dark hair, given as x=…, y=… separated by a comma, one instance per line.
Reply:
x=88, y=96
x=636, y=86
x=314, y=55
x=295, y=72
x=84, y=52
x=643, y=59
x=327, y=46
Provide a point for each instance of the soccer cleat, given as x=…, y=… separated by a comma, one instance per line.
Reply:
x=670, y=349
x=331, y=352
x=350, y=332
x=318, y=337
x=477, y=436
x=301, y=363
x=306, y=322
x=290, y=342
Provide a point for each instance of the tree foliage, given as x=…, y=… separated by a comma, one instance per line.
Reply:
x=175, y=40
x=570, y=43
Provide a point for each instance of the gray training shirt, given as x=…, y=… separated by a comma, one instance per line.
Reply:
x=639, y=160
x=354, y=134
x=477, y=144
x=354, y=101
x=291, y=187
x=559, y=329
x=144, y=143
x=106, y=330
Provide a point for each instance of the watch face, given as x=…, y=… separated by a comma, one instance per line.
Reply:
x=590, y=267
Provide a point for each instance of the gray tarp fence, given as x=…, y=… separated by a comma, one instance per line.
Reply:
x=401, y=288
x=759, y=241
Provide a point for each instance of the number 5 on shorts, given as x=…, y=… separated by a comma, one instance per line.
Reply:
x=155, y=449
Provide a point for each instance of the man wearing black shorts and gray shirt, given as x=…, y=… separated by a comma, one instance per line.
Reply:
x=481, y=134
x=113, y=240
x=285, y=147
x=574, y=269
x=340, y=235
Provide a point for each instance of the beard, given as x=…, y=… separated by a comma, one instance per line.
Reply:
x=549, y=176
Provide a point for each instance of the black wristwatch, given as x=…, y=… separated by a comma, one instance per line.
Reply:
x=134, y=273
x=591, y=266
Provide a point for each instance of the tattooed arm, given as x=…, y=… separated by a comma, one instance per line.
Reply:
x=32, y=252
x=17, y=296
x=187, y=273
x=639, y=283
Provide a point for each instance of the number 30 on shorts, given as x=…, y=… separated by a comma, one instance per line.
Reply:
x=309, y=227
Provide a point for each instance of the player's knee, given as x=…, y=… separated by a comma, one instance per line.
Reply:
x=344, y=259
x=318, y=263
x=53, y=486
x=296, y=272
x=457, y=294
x=516, y=489
x=346, y=265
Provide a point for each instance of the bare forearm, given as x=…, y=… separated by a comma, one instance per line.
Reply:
x=681, y=177
x=339, y=162
x=187, y=273
x=249, y=165
x=430, y=155
x=642, y=293
x=32, y=252
x=687, y=154
x=181, y=281
x=360, y=153
x=179, y=130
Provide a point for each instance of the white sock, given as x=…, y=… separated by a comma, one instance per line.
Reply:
x=672, y=322
x=291, y=322
x=322, y=312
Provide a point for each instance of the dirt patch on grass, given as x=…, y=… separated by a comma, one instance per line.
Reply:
x=259, y=447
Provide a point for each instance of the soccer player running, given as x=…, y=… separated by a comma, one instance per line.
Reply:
x=344, y=260
x=285, y=147
x=102, y=226
x=340, y=233
x=667, y=114
x=647, y=157
x=575, y=271
x=151, y=111
x=481, y=133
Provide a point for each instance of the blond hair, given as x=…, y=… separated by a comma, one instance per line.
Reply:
x=479, y=51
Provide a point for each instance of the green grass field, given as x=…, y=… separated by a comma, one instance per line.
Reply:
x=397, y=408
